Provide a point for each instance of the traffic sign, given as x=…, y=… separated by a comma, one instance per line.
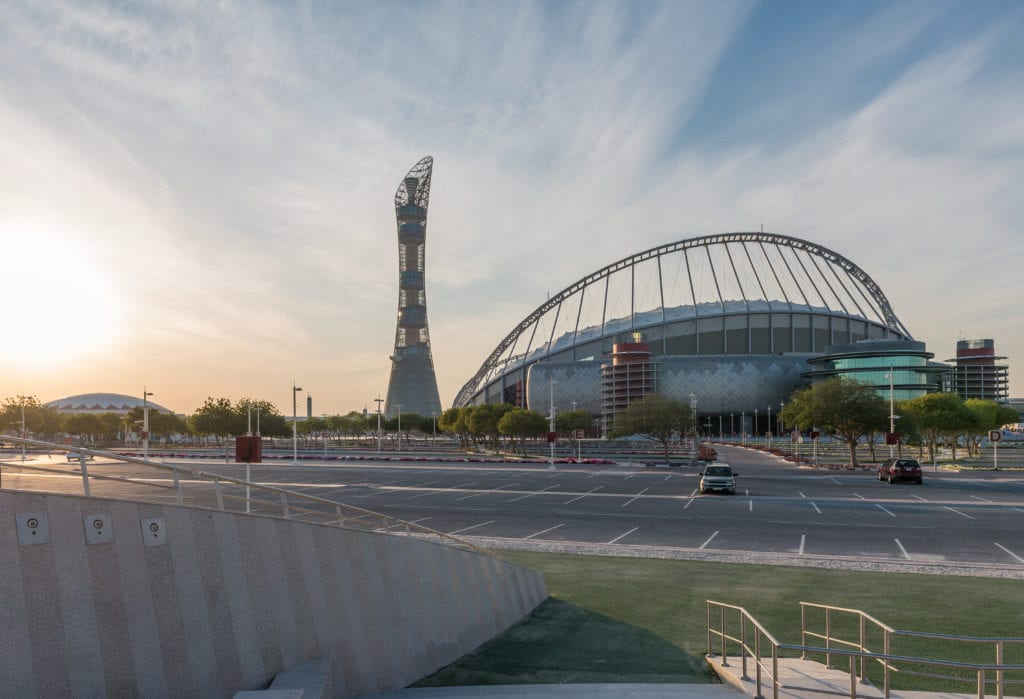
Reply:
x=995, y=436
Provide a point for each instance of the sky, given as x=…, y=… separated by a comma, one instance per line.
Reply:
x=197, y=198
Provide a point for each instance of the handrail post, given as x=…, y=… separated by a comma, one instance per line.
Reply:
x=981, y=683
x=803, y=630
x=708, y=604
x=216, y=490
x=853, y=677
x=743, y=646
x=999, y=670
x=757, y=660
x=887, y=649
x=775, y=671
x=284, y=505
x=862, y=648
x=725, y=659
x=828, y=637
x=177, y=484
x=85, y=473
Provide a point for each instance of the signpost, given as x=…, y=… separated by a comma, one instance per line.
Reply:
x=994, y=436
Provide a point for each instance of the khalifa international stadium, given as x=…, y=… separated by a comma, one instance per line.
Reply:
x=724, y=322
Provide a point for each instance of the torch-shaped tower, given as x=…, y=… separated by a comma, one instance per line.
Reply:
x=413, y=384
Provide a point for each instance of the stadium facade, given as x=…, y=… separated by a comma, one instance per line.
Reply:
x=727, y=322
x=412, y=387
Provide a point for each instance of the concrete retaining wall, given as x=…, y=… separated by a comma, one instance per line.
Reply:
x=224, y=602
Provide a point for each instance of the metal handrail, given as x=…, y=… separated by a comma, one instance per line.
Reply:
x=341, y=515
x=856, y=652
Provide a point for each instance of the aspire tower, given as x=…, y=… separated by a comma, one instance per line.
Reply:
x=412, y=387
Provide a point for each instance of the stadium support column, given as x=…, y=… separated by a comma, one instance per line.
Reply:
x=413, y=383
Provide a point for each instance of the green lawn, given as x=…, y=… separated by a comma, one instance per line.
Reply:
x=644, y=620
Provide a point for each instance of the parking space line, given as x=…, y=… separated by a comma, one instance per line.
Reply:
x=694, y=492
x=815, y=507
x=919, y=497
x=1008, y=551
x=860, y=496
x=584, y=495
x=905, y=554
x=530, y=495
x=485, y=492
x=836, y=481
x=635, y=496
x=709, y=540
x=622, y=536
x=420, y=485
x=466, y=529
x=884, y=510
x=803, y=540
x=543, y=532
x=688, y=502
x=801, y=495
x=429, y=492
x=417, y=521
x=957, y=511
x=668, y=476
x=751, y=502
x=981, y=499
x=463, y=485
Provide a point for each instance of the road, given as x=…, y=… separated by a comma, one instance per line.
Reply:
x=778, y=509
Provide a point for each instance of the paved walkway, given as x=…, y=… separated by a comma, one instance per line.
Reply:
x=801, y=679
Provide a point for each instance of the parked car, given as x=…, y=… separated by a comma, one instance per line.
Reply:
x=719, y=477
x=894, y=470
x=73, y=456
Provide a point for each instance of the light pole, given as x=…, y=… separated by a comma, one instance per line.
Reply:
x=755, y=425
x=782, y=423
x=145, y=422
x=379, y=400
x=399, y=427
x=732, y=425
x=551, y=427
x=433, y=428
x=295, y=424
x=719, y=425
x=892, y=417
x=769, y=425
x=743, y=428
x=23, y=434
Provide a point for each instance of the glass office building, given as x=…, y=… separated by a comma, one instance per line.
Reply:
x=872, y=362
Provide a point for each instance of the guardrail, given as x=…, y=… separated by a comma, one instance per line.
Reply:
x=750, y=637
x=203, y=489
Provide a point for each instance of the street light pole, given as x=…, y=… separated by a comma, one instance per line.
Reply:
x=295, y=424
x=379, y=400
x=145, y=422
x=551, y=427
x=892, y=417
x=399, y=427
x=23, y=434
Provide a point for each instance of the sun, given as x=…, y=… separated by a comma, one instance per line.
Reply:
x=58, y=304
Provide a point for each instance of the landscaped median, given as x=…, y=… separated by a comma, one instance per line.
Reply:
x=614, y=619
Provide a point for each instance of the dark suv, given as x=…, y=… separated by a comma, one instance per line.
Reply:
x=900, y=470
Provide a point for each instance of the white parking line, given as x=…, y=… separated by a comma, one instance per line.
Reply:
x=884, y=510
x=622, y=536
x=801, y=495
x=815, y=507
x=709, y=540
x=688, y=502
x=429, y=492
x=485, y=492
x=584, y=495
x=420, y=485
x=463, y=485
x=530, y=495
x=636, y=496
x=466, y=529
x=668, y=476
x=860, y=496
x=1011, y=553
x=751, y=505
x=417, y=521
x=957, y=511
x=837, y=481
x=543, y=532
x=981, y=499
x=905, y=554
x=803, y=540
x=919, y=497
x=693, y=493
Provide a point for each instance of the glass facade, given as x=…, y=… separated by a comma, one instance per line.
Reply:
x=902, y=365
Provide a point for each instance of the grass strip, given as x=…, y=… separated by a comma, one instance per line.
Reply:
x=613, y=619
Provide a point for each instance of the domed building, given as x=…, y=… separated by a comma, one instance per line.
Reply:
x=102, y=403
x=725, y=322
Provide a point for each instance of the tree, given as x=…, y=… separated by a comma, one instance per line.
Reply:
x=520, y=423
x=846, y=408
x=990, y=416
x=217, y=417
x=40, y=420
x=655, y=417
x=454, y=421
x=939, y=416
x=483, y=420
x=572, y=420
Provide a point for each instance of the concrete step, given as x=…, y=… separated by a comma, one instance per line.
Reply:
x=573, y=691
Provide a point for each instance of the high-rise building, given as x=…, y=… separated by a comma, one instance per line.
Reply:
x=976, y=374
x=412, y=387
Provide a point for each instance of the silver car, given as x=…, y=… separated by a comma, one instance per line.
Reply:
x=718, y=478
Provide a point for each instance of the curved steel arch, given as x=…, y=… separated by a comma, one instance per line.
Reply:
x=420, y=172
x=891, y=321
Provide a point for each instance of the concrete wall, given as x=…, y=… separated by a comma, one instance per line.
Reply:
x=225, y=601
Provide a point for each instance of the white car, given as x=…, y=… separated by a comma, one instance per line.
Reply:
x=74, y=456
